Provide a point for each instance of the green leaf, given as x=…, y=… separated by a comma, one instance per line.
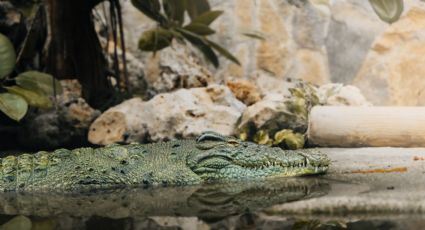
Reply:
x=262, y=138
x=174, y=9
x=200, y=43
x=255, y=35
x=208, y=17
x=295, y=141
x=297, y=92
x=32, y=98
x=13, y=106
x=7, y=56
x=388, y=10
x=151, y=8
x=197, y=7
x=38, y=82
x=155, y=39
x=200, y=29
x=290, y=139
x=223, y=52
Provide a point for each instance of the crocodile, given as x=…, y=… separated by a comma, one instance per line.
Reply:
x=209, y=158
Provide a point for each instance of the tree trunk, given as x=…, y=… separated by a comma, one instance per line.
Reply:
x=75, y=51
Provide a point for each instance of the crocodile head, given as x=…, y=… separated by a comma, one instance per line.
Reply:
x=226, y=158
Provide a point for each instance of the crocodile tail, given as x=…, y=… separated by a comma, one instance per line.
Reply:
x=19, y=172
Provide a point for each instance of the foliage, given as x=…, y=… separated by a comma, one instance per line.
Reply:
x=287, y=127
x=29, y=88
x=170, y=16
x=388, y=10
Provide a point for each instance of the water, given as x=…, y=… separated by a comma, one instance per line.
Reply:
x=224, y=206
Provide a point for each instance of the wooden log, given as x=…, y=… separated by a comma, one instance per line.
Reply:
x=367, y=126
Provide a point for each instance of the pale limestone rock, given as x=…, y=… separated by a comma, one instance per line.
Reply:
x=290, y=29
x=182, y=114
x=176, y=67
x=244, y=90
x=341, y=95
x=393, y=71
x=351, y=31
x=136, y=74
x=113, y=124
x=263, y=111
x=271, y=85
x=273, y=53
x=280, y=109
x=310, y=66
x=319, y=41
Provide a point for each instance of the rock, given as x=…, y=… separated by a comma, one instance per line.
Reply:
x=279, y=120
x=272, y=85
x=136, y=75
x=273, y=54
x=263, y=111
x=316, y=41
x=352, y=29
x=340, y=95
x=12, y=23
x=184, y=113
x=244, y=90
x=310, y=66
x=290, y=30
x=393, y=71
x=67, y=125
x=113, y=124
x=281, y=117
x=174, y=68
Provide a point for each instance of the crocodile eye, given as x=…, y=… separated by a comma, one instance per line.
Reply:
x=234, y=143
x=210, y=136
x=206, y=163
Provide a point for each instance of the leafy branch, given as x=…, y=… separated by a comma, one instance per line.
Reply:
x=170, y=15
x=29, y=88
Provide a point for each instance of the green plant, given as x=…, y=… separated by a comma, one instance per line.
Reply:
x=170, y=15
x=29, y=88
x=388, y=10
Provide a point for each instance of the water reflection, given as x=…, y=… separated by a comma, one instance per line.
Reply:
x=224, y=206
x=207, y=202
x=249, y=220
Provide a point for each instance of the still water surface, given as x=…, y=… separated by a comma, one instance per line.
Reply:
x=224, y=206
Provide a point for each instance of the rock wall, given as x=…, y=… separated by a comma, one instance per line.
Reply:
x=320, y=41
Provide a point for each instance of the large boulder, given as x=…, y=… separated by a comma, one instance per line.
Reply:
x=184, y=113
x=393, y=71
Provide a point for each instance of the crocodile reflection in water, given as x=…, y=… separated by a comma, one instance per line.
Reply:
x=207, y=201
